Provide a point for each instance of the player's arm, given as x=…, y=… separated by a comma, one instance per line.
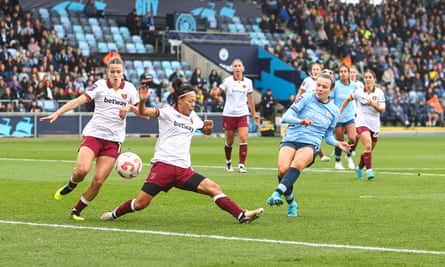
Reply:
x=215, y=92
x=70, y=105
x=379, y=107
x=251, y=102
x=135, y=110
x=300, y=92
x=345, y=103
x=144, y=94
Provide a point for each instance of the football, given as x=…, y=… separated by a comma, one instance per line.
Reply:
x=128, y=165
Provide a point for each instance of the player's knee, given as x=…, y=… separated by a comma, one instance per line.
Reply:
x=80, y=171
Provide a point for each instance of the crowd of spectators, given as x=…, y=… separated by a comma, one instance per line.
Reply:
x=37, y=69
x=403, y=42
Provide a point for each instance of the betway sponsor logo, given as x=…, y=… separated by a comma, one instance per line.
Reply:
x=183, y=126
x=115, y=101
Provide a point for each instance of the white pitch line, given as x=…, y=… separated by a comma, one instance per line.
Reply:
x=258, y=240
x=389, y=171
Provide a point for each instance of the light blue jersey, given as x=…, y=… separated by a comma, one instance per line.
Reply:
x=324, y=117
x=340, y=93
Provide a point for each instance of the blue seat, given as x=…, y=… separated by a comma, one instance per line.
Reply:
x=77, y=28
x=148, y=63
x=150, y=48
x=130, y=48
x=102, y=47
x=140, y=48
x=124, y=31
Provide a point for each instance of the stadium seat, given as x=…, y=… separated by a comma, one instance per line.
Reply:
x=77, y=29
x=85, y=48
x=175, y=64
x=140, y=48
x=148, y=63
x=93, y=21
x=80, y=37
x=137, y=39
x=166, y=64
x=66, y=22
x=102, y=47
x=111, y=46
x=138, y=64
x=90, y=38
x=118, y=39
x=130, y=48
x=115, y=30
x=44, y=13
x=124, y=31
x=150, y=48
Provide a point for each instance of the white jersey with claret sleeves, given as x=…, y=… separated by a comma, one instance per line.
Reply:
x=367, y=115
x=236, y=96
x=175, y=136
x=308, y=85
x=106, y=123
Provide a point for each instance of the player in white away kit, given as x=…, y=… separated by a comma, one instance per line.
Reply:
x=171, y=163
x=102, y=136
x=308, y=85
x=370, y=105
x=239, y=99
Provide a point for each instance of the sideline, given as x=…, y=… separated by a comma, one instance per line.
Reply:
x=230, y=238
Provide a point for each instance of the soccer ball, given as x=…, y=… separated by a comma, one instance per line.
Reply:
x=128, y=165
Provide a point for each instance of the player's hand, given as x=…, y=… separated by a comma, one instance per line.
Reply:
x=51, y=118
x=256, y=119
x=124, y=111
x=306, y=122
x=144, y=93
x=344, y=146
x=207, y=128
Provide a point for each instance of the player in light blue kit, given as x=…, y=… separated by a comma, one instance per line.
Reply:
x=311, y=118
x=342, y=90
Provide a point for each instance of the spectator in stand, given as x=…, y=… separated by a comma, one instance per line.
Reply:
x=3, y=85
x=148, y=22
x=178, y=73
x=283, y=15
x=397, y=113
x=435, y=111
x=268, y=106
x=196, y=80
x=214, y=103
x=33, y=46
x=10, y=107
x=264, y=24
x=9, y=94
x=45, y=88
x=90, y=9
x=133, y=22
x=214, y=78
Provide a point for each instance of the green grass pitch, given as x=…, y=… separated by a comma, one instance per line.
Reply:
x=396, y=220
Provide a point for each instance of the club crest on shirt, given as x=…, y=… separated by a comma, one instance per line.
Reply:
x=124, y=96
